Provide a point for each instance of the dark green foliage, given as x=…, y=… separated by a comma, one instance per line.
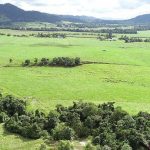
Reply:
x=63, y=132
x=65, y=61
x=52, y=121
x=106, y=147
x=44, y=62
x=65, y=145
x=43, y=147
x=8, y=34
x=3, y=117
x=1, y=95
x=35, y=61
x=89, y=146
x=74, y=27
x=110, y=127
x=10, y=60
x=28, y=125
x=57, y=61
x=147, y=40
x=125, y=38
x=26, y=62
x=48, y=35
x=77, y=61
x=11, y=105
x=126, y=147
x=133, y=39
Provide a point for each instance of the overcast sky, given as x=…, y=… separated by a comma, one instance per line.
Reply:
x=105, y=9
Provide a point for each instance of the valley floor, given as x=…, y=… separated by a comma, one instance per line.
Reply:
x=125, y=80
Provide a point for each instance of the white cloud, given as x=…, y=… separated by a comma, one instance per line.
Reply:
x=115, y=9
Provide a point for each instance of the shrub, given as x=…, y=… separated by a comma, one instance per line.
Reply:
x=52, y=121
x=3, y=117
x=35, y=61
x=65, y=145
x=10, y=60
x=29, y=126
x=96, y=140
x=44, y=62
x=109, y=127
x=147, y=40
x=57, y=61
x=12, y=105
x=63, y=132
x=27, y=62
x=89, y=146
x=126, y=147
x=65, y=61
x=105, y=147
x=43, y=147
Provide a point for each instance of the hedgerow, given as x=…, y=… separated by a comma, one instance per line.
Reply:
x=57, y=61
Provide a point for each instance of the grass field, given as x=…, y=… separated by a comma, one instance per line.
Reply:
x=126, y=80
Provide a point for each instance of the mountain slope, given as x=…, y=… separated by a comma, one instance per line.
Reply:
x=143, y=19
x=10, y=13
x=15, y=14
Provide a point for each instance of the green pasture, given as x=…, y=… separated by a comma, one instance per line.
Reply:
x=126, y=80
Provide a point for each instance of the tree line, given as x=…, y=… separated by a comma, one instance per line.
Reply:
x=42, y=35
x=57, y=61
x=48, y=35
x=142, y=27
x=93, y=30
x=133, y=39
x=109, y=127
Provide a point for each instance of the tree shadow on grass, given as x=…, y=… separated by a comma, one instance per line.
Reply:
x=53, y=45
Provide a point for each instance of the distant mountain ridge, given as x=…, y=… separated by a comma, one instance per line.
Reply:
x=141, y=19
x=10, y=13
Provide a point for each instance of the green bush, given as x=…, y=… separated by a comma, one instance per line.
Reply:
x=63, y=132
x=43, y=147
x=57, y=61
x=65, y=145
x=3, y=117
x=126, y=147
x=27, y=62
x=12, y=105
x=109, y=127
x=52, y=121
x=89, y=146
x=65, y=61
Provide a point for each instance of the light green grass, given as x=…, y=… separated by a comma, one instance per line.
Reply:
x=127, y=84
